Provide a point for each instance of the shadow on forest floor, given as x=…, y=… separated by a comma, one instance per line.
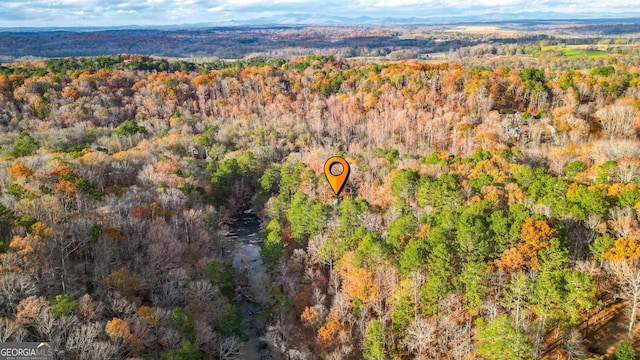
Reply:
x=610, y=328
x=607, y=328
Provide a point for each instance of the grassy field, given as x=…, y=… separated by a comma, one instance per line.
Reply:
x=407, y=36
x=589, y=53
x=575, y=50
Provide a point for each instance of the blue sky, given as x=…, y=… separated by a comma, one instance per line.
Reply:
x=34, y=13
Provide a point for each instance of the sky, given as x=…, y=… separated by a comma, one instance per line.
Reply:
x=70, y=13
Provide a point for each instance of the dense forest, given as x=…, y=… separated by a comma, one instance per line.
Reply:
x=492, y=211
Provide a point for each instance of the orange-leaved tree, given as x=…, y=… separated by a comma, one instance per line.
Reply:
x=534, y=236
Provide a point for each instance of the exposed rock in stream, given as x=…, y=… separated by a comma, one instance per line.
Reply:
x=241, y=245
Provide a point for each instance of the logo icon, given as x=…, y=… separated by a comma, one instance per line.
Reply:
x=337, y=171
x=26, y=351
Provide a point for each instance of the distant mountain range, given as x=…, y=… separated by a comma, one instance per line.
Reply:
x=315, y=19
x=305, y=19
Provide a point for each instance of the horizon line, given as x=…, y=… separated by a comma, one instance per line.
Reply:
x=371, y=20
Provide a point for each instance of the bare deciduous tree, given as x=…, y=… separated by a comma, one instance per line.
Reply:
x=229, y=348
x=81, y=340
x=8, y=329
x=627, y=274
x=104, y=350
x=420, y=338
x=617, y=120
x=13, y=288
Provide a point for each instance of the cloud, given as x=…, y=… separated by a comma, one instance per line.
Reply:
x=155, y=12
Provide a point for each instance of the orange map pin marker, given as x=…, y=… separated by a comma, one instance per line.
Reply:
x=336, y=181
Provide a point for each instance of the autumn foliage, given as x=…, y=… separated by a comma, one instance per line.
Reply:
x=534, y=236
x=492, y=207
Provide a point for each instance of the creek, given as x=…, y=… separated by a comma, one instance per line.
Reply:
x=241, y=248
